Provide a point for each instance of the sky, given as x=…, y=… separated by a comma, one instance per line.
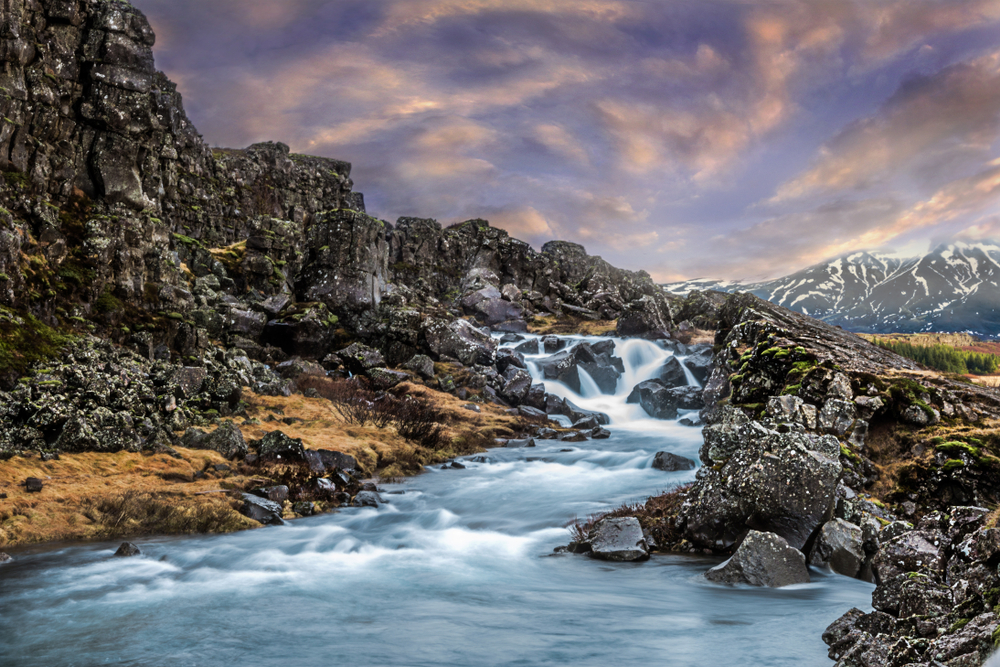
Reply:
x=732, y=139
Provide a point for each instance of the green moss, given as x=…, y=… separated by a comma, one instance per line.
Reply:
x=186, y=240
x=845, y=451
x=954, y=447
x=792, y=390
x=953, y=464
x=174, y=316
x=24, y=340
x=107, y=303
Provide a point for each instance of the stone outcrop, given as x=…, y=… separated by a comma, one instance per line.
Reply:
x=762, y=559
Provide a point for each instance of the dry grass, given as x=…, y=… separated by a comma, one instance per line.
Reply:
x=550, y=324
x=101, y=495
x=77, y=481
x=656, y=515
x=383, y=451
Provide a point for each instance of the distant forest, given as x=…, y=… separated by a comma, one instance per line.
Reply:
x=945, y=358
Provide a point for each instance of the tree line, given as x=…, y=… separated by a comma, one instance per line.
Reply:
x=945, y=358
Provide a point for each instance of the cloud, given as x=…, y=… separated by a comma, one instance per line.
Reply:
x=639, y=128
x=949, y=120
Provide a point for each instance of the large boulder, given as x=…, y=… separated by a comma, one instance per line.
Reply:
x=783, y=483
x=565, y=367
x=646, y=316
x=489, y=308
x=618, y=539
x=762, y=559
x=839, y=546
x=662, y=402
x=461, y=340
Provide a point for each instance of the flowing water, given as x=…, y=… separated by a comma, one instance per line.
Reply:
x=456, y=569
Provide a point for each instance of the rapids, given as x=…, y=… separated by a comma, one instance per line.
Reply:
x=457, y=569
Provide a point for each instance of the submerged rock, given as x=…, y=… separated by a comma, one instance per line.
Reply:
x=618, y=539
x=127, y=549
x=763, y=559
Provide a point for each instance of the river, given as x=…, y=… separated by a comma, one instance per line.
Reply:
x=457, y=568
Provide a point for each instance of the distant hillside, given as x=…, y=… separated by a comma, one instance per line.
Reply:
x=955, y=287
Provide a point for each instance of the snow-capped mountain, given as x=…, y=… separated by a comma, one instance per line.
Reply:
x=955, y=287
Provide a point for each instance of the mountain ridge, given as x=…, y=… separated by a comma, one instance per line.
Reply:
x=953, y=287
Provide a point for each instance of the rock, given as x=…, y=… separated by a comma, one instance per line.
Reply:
x=529, y=346
x=422, y=365
x=913, y=551
x=276, y=446
x=322, y=460
x=600, y=433
x=517, y=443
x=699, y=362
x=510, y=337
x=551, y=344
x=261, y=510
x=572, y=436
x=127, y=549
x=588, y=423
x=576, y=413
x=565, y=367
x=5, y=558
x=516, y=386
x=783, y=483
x=33, y=485
x=532, y=413
x=304, y=508
x=472, y=407
x=839, y=547
x=762, y=559
x=359, y=358
x=647, y=316
x=278, y=494
x=671, y=374
x=227, y=440
x=507, y=357
x=461, y=340
x=661, y=402
x=367, y=499
x=384, y=378
x=296, y=367
x=618, y=539
x=671, y=462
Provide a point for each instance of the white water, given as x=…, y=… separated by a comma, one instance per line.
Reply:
x=458, y=570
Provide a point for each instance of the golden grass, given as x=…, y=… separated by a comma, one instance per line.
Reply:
x=158, y=493
x=73, y=481
x=382, y=451
x=550, y=324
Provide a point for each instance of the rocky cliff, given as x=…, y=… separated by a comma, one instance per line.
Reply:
x=116, y=218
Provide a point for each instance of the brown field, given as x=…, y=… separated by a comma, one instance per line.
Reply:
x=123, y=494
x=550, y=324
x=959, y=341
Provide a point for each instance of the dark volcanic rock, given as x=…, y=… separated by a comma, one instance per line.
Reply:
x=662, y=402
x=618, y=540
x=565, y=367
x=839, y=546
x=276, y=446
x=322, y=460
x=671, y=462
x=261, y=510
x=33, y=485
x=762, y=559
x=672, y=373
x=127, y=549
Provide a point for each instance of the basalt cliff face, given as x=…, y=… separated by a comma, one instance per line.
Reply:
x=115, y=216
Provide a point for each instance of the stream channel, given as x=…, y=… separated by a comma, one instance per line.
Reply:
x=456, y=569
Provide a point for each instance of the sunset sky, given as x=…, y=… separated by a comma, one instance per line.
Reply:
x=704, y=138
